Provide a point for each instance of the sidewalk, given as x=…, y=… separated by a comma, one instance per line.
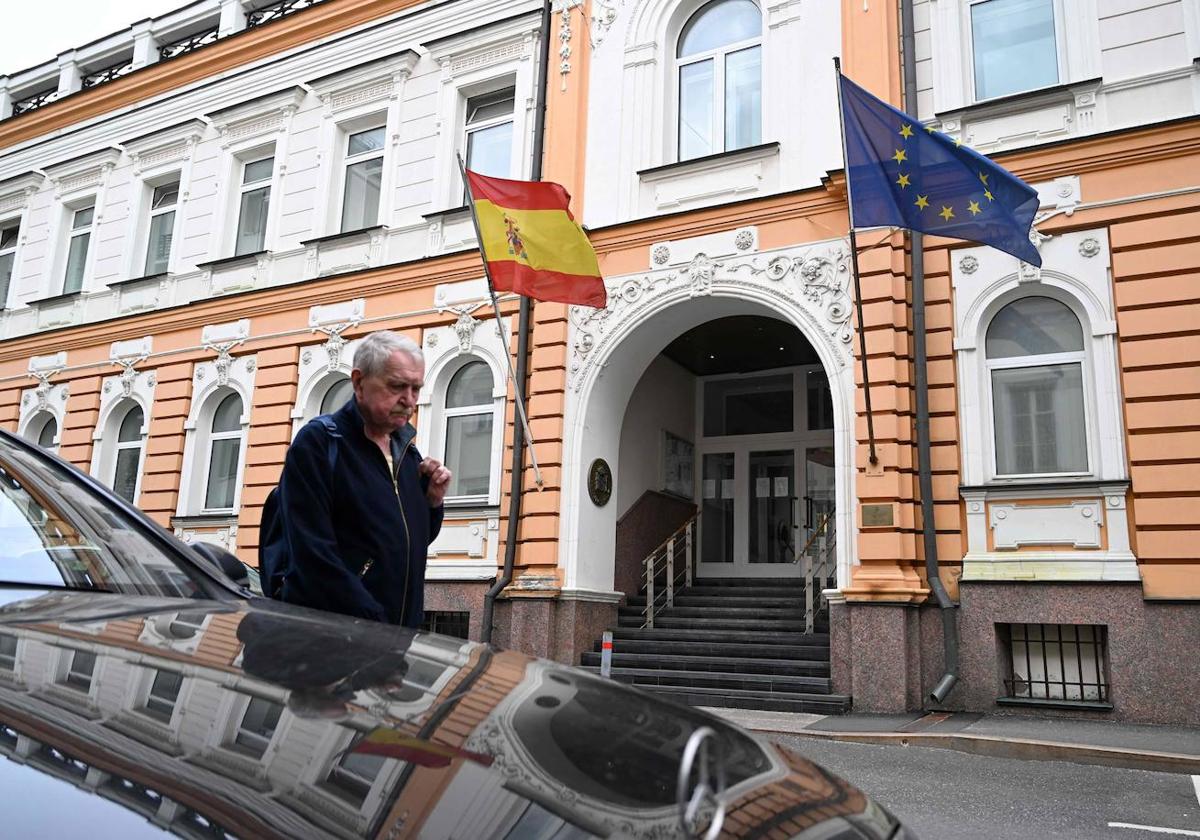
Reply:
x=1170, y=749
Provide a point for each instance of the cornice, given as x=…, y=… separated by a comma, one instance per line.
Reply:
x=304, y=27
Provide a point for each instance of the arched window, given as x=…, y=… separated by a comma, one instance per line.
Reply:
x=338, y=394
x=1035, y=359
x=127, y=467
x=43, y=430
x=468, y=414
x=225, y=450
x=719, y=60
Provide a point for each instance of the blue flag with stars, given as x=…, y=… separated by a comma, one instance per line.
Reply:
x=902, y=174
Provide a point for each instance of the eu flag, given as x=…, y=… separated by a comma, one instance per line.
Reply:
x=902, y=174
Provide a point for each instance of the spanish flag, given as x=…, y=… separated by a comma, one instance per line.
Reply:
x=532, y=244
x=392, y=743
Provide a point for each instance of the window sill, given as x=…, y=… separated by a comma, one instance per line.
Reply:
x=710, y=161
x=205, y=518
x=1077, y=705
x=1024, y=98
x=228, y=261
x=442, y=215
x=53, y=299
x=162, y=275
x=346, y=234
x=1024, y=485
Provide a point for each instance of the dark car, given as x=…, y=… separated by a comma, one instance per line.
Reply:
x=142, y=693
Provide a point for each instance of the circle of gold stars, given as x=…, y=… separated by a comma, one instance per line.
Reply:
x=904, y=180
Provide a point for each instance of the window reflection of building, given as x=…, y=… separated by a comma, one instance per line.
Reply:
x=257, y=727
x=8, y=652
x=352, y=776
x=164, y=692
x=79, y=672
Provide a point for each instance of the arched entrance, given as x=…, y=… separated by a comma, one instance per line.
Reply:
x=804, y=287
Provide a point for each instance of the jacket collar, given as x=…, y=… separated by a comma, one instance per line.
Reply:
x=352, y=417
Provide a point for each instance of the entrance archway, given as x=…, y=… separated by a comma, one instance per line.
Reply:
x=611, y=349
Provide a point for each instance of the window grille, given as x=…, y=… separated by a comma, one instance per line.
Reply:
x=448, y=623
x=275, y=11
x=186, y=45
x=34, y=101
x=1057, y=663
x=107, y=74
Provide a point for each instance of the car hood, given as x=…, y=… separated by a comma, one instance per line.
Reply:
x=137, y=715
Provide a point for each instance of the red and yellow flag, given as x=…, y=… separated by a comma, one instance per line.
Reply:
x=392, y=743
x=532, y=244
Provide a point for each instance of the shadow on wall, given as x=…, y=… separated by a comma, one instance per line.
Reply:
x=642, y=528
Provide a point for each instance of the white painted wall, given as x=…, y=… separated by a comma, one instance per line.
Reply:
x=421, y=91
x=631, y=123
x=1123, y=63
x=664, y=399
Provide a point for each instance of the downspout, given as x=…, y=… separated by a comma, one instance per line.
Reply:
x=518, y=452
x=924, y=471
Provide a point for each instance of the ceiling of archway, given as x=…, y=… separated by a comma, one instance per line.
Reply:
x=740, y=344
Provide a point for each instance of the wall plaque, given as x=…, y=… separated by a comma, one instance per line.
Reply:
x=600, y=482
x=878, y=516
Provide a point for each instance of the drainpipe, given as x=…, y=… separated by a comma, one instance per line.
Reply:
x=518, y=455
x=924, y=475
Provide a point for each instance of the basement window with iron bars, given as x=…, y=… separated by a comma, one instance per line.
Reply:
x=1056, y=665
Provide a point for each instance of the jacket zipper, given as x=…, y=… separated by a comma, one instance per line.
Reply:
x=395, y=476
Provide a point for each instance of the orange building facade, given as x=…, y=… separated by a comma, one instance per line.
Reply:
x=195, y=240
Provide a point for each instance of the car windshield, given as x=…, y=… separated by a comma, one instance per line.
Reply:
x=57, y=532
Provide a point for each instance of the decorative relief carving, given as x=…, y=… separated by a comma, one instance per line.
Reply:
x=814, y=280
x=604, y=15
x=1030, y=273
x=968, y=264
x=660, y=254
x=379, y=90
x=744, y=240
x=464, y=328
x=1089, y=247
x=484, y=59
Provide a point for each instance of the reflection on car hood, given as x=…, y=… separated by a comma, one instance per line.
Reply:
x=214, y=719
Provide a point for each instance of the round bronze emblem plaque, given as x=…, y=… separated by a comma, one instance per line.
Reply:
x=600, y=482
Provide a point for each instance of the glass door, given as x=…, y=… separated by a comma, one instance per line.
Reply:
x=770, y=491
x=717, y=510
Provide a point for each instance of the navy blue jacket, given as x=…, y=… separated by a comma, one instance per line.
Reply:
x=356, y=541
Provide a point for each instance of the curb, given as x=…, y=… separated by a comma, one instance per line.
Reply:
x=1019, y=748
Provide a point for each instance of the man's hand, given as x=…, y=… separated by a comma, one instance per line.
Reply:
x=439, y=480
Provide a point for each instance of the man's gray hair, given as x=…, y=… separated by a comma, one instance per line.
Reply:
x=372, y=355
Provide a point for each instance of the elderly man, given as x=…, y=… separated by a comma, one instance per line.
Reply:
x=356, y=539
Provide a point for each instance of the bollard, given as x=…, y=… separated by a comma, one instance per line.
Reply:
x=606, y=654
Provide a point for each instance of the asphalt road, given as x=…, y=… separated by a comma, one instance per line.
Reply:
x=948, y=795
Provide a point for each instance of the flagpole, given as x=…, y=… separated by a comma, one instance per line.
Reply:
x=862, y=333
x=537, y=473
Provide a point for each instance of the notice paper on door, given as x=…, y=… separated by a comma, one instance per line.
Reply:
x=762, y=488
x=726, y=488
x=710, y=488
x=781, y=486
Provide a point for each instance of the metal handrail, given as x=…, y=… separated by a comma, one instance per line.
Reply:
x=814, y=598
x=664, y=558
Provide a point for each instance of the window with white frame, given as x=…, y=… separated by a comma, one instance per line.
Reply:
x=224, y=453
x=80, y=239
x=337, y=395
x=254, y=202
x=79, y=671
x=9, y=234
x=468, y=415
x=43, y=430
x=128, y=462
x=257, y=727
x=163, y=694
x=489, y=133
x=1036, y=366
x=363, y=178
x=1013, y=45
x=352, y=776
x=162, y=227
x=8, y=652
x=719, y=72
